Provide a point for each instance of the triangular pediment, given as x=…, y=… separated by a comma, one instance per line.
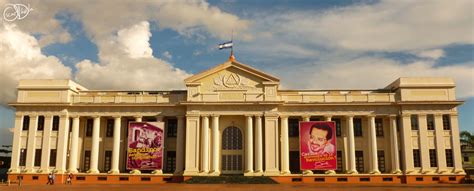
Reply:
x=234, y=69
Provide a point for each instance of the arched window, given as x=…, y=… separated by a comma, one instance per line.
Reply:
x=232, y=138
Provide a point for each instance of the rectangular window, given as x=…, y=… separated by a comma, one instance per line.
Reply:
x=23, y=157
x=357, y=127
x=89, y=124
x=108, y=160
x=170, y=161
x=416, y=158
x=430, y=122
x=52, y=157
x=37, y=157
x=26, y=123
x=40, y=123
x=449, y=158
x=337, y=121
x=293, y=127
x=295, y=162
x=172, y=127
x=339, y=161
x=433, y=158
x=381, y=160
x=379, y=127
x=414, y=122
x=87, y=160
x=446, y=122
x=359, y=161
x=55, y=123
x=109, y=131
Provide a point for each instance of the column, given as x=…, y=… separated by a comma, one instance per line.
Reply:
x=373, y=145
x=455, y=144
x=439, y=142
x=249, y=145
x=423, y=146
x=95, y=146
x=328, y=118
x=31, y=144
x=46, y=147
x=192, y=145
x=215, y=145
x=271, y=145
x=285, y=148
x=351, y=145
x=74, y=145
x=306, y=118
x=394, y=145
x=205, y=144
x=16, y=146
x=180, y=145
x=63, y=137
x=116, y=148
x=259, y=145
x=407, y=147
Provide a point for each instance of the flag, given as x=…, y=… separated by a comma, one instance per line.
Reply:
x=225, y=45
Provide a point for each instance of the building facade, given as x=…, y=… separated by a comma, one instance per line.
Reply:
x=234, y=119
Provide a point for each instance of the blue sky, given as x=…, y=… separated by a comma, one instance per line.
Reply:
x=342, y=39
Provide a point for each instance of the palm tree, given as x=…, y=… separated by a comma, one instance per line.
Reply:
x=467, y=139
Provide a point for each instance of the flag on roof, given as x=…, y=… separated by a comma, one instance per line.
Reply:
x=225, y=45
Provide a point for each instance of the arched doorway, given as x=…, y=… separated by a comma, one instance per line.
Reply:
x=232, y=152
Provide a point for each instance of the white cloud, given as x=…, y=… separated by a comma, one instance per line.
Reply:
x=167, y=55
x=373, y=73
x=388, y=25
x=431, y=54
x=21, y=58
x=134, y=40
x=132, y=71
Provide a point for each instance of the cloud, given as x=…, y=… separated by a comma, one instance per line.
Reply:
x=373, y=73
x=167, y=55
x=137, y=69
x=431, y=54
x=21, y=58
x=387, y=25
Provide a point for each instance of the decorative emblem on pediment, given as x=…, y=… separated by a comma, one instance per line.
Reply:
x=230, y=80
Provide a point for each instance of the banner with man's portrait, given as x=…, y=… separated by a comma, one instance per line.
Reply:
x=145, y=145
x=317, y=145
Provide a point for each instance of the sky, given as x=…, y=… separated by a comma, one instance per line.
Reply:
x=155, y=45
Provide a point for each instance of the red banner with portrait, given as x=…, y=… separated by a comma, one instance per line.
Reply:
x=318, y=145
x=145, y=145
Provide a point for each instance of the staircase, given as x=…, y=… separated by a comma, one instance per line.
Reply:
x=227, y=179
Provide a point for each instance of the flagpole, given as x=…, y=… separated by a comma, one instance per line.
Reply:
x=232, y=57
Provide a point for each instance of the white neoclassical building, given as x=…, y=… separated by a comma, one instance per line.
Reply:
x=234, y=119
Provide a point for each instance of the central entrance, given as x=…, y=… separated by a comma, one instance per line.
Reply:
x=232, y=152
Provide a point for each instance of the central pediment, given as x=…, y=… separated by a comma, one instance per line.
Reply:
x=230, y=79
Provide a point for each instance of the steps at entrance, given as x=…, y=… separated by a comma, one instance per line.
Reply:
x=230, y=180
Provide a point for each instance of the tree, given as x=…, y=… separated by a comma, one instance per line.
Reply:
x=467, y=138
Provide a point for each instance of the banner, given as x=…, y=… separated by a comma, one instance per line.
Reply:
x=145, y=145
x=317, y=145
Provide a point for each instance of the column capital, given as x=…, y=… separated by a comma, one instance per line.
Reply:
x=117, y=116
x=95, y=116
x=138, y=116
x=215, y=115
x=48, y=115
x=258, y=115
x=180, y=117
x=371, y=115
x=438, y=114
x=326, y=116
x=248, y=115
x=349, y=116
x=205, y=115
x=74, y=116
x=452, y=114
x=406, y=114
x=392, y=116
x=284, y=116
x=421, y=114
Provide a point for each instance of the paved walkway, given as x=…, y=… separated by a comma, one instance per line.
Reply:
x=237, y=187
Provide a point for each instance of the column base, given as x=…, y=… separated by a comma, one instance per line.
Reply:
x=43, y=171
x=330, y=172
x=271, y=173
x=258, y=173
x=285, y=172
x=214, y=173
x=178, y=172
x=135, y=171
x=375, y=172
x=190, y=173
x=397, y=171
x=30, y=170
x=423, y=171
x=307, y=172
x=157, y=172
x=93, y=171
x=73, y=170
x=411, y=171
x=63, y=171
x=114, y=171
x=14, y=170
x=459, y=171
x=441, y=171
x=352, y=172
x=249, y=173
